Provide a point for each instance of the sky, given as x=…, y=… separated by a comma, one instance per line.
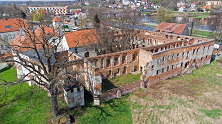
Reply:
x=37, y=0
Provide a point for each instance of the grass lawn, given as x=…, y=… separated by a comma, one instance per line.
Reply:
x=201, y=34
x=121, y=80
x=152, y=26
x=193, y=13
x=116, y=111
x=194, y=98
x=204, y=34
x=14, y=112
x=147, y=13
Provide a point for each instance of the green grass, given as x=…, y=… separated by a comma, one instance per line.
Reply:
x=15, y=112
x=8, y=73
x=193, y=13
x=147, y=13
x=116, y=111
x=139, y=107
x=152, y=26
x=212, y=113
x=201, y=13
x=118, y=81
x=201, y=34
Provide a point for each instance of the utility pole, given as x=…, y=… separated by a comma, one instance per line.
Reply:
x=191, y=29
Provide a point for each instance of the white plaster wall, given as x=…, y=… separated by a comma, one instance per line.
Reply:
x=3, y=65
x=81, y=51
x=157, y=63
x=216, y=45
x=63, y=46
x=9, y=36
x=58, y=27
x=22, y=71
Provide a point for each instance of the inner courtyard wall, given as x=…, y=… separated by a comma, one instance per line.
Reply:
x=158, y=55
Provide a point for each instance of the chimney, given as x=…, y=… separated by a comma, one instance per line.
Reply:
x=22, y=32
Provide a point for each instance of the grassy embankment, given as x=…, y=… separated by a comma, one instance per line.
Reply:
x=149, y=25
x=194, y=98
x=14, y=111
x=192, y=14
x=201, y=34
x=39, y=111
x=204, y=34
x=148, y=13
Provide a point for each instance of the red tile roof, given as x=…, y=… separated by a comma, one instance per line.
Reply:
x=207, y=7
x=26, y=43
x=9, y=25
x=176, y=28
x=6, y=54
x=195, y=2
x=77, y=12
x=81, y=38
x=56, y=19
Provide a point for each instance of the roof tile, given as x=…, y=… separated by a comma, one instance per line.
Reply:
x=14, y=24
x=81, y=38
x=176, y=28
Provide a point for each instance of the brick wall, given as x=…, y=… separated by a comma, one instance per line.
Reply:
x=159, y=55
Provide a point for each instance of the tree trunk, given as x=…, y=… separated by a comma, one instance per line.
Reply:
x=55, y=112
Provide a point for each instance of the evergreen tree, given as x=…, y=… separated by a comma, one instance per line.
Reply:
x=96, y=19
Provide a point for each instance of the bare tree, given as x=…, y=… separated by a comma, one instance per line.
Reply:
x=37, y=52
x=214, y=23
x=164, y=15
x=2, y=10
x=10, y=10
x=115, y=31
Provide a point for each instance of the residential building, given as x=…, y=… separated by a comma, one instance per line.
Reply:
x=23, y=44
x=81, y=42
x=206, y=8
x=9, y=29
x=87, y=3
x=155, y=6
x=194, y=6
x=126, y=2
x=55, y=10
x=58, y=25
x=181, y=3
x=144, y=2
x=215, y=3
x=182, y=9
